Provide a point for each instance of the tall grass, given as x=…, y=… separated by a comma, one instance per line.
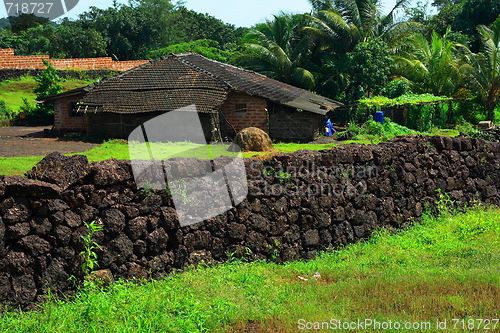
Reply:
x=444, y=268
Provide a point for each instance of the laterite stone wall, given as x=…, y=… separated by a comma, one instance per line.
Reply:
x=297, y=204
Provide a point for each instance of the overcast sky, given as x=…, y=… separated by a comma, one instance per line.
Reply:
x=243, y=13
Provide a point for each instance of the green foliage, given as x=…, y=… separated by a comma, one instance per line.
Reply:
x=431, y=65
x=396, y=88
x=35, y=114
x=424, y=111
x=465, y=127
x=352, y=40
x=449, y=259
x=205, y=47
x=89, y=253
x=443, y=19
x=470, y=109
x=191, y=26
x=426, y=117
x=483, y=69
x=354, y=129
x=279, y=49
x=5, y=111
x=13, y=91
x=24, y=21
x=377, y=132
x=382, y=101
x=371, y=127
x=445, y=205
x=48, y=82
x=371, y=65
x=474, y=13
x=284, y=176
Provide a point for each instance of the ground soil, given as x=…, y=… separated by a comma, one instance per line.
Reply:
x=16, y=141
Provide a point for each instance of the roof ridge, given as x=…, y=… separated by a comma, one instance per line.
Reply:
x=199, y=69
x=225, y=64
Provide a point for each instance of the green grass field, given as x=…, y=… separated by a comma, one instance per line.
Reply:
x=119, y=149
x=446, y=268
x=13, y=91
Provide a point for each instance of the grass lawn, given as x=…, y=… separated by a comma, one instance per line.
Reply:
x=445, y=268
x=119, y=149
x=13, y=91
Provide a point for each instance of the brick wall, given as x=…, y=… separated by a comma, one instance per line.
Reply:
x=255, y=114
x=9, y=60
x=62, y=114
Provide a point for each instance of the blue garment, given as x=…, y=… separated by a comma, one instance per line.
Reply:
x=328, y=126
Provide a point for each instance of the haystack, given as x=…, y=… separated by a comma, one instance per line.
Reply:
x=253, y=139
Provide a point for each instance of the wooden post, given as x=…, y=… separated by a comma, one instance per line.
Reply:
x=214, y=123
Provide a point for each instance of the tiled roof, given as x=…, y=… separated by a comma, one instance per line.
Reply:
x=253, y=83
x=160, y=85
x=178, y=80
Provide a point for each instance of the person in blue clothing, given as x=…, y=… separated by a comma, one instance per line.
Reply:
x=329, y=130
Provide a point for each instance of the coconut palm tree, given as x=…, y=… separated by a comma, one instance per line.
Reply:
x=432, y=66
x=337, y=28
x=341, y=24
x=484, y=68
x=279, y=49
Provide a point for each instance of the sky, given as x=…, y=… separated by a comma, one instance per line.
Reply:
x=241, y=13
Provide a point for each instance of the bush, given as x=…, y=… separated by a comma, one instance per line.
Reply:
x=37, y=115
x=471, y=110
x=48, y=82
x=465, y=127
x=48, y=85
x=5, y=111
x=375, y=131
x=396, y=88
x=371, y=127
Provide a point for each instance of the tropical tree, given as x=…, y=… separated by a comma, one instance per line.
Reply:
x=431, y=66
x=371, y=65
x=484, y=67
x=128, y=31
x=350, y=36
x=474, y=13
x=280, y=50
x=341, y=24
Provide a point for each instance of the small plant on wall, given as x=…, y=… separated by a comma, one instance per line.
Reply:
x=89, y=253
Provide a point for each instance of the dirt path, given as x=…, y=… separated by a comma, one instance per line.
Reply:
x=18, y=141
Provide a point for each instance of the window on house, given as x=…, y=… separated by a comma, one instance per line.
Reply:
x=240, y=107
x=72, y=107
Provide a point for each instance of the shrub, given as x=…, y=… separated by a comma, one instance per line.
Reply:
x=48, y=84
x=396, y=88
x=375, y=131
x=37, y=115
x=5, y=111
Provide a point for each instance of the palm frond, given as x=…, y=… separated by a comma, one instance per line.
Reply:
x=303, y=78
